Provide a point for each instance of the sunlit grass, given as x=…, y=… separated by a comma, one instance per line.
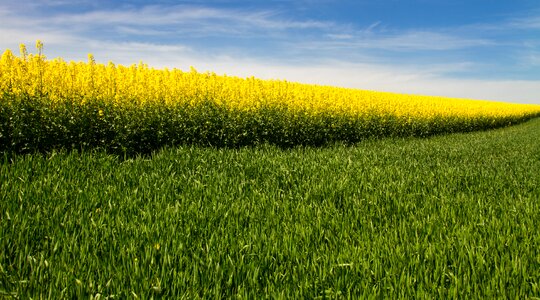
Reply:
x=453, y=216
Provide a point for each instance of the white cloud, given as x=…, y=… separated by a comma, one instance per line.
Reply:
x=533, y=59
x=403, y=41
x=340, y=36
x=11, y=38
x=127, y=53
x=426, y=40
x=531, y=22
x=182, y=15
x=199, y=21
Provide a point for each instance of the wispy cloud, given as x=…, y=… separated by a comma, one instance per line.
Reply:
x=403, y=41
x=534, y=59
x=526, y=23
x=182, y=15
x=199, y=21
x=12, y=37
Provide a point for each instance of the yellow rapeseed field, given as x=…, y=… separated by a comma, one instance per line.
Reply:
x=79, y=83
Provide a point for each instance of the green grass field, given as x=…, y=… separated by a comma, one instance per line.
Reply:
x=453, y=216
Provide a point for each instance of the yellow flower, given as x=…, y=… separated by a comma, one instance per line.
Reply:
x=39, y=46
x=140, y=85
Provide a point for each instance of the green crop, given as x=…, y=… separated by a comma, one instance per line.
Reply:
x=452, y=216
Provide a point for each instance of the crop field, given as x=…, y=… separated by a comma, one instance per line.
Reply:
x=129, y=182
x=452, y=216
x=53, y=104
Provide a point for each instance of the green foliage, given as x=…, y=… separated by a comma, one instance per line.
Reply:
x=452, y=216
x=36, y=124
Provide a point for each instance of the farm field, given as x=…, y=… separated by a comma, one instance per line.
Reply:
x=131, y=182
x=448, y=216
x=48, y=104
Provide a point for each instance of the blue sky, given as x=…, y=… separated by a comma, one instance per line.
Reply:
x=473, y=49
